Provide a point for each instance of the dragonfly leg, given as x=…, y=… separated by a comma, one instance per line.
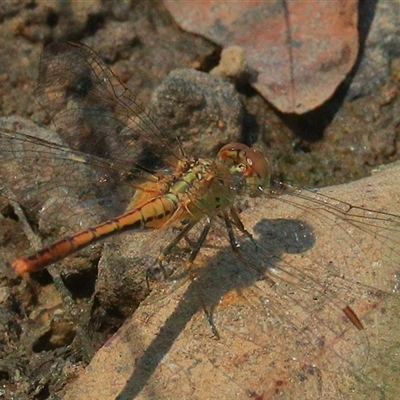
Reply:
x=210, y=321
x=239, y=225
x=166, y=250
x=198, y=245
x=232, y=240
x=192, y=276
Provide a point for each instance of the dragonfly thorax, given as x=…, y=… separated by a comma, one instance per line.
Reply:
x=204, y=187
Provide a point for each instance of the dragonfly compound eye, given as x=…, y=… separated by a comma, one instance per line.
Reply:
x=249, y=162
x=258, y=171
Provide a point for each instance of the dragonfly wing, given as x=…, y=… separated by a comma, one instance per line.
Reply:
x=107, y=140
x=93, y=110
x=288, y=299
x=67, y=188
x=271, y=345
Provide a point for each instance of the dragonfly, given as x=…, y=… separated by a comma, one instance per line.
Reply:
x=189, y=187
x=115, y=162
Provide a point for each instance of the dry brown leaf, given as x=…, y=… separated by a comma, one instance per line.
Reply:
x=297, y=52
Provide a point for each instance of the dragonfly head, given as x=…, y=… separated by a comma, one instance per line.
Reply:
x=250, y=162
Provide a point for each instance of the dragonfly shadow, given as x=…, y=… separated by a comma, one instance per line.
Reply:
x=290, y=235
x=224, y=272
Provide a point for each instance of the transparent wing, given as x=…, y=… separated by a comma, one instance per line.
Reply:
x=282, y=307
x=93, y=110
x=279, y=309
x=107, y=140
x=68, y=188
